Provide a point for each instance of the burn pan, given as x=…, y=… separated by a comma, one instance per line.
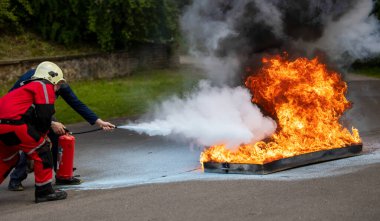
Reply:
x=285, y=163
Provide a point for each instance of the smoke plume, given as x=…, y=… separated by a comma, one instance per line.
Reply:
x=227, y=31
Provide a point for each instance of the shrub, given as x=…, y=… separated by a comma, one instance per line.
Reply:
x=112, y=24
x=13, y=14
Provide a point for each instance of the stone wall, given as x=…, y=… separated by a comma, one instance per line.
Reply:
x=97, y=66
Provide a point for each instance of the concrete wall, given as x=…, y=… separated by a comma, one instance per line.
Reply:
x=97, y=66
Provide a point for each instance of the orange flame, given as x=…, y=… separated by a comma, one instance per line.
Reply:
x=306, y=100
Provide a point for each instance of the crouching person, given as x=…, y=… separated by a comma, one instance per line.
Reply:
x=25, y=118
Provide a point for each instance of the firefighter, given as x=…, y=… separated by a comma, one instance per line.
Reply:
x=25, y=118
x=57, y=129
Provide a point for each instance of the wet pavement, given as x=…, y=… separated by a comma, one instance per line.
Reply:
x=136, y=177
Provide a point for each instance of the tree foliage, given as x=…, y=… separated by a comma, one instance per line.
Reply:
x=119, y=22
x=61, y=21
x=13, y=13
x=112, y=24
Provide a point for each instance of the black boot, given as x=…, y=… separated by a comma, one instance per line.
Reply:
x=15, y=185
x=71, y=181
x=47, y=193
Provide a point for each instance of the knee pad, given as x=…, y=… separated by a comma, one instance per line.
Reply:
x=10, y=139
x=45, y=154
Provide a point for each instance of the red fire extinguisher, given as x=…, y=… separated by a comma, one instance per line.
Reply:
x=66, y=149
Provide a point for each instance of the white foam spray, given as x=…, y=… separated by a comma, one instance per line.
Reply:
x=210, y=115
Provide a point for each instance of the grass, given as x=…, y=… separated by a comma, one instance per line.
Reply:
x=28, y=45
x=128, y=96
x=368, y=71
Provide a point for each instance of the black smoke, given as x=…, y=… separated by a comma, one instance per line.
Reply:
x=246, y=30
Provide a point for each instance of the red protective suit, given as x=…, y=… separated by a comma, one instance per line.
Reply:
x=25, y=117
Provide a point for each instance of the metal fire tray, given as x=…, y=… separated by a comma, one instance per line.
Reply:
x=285, y=163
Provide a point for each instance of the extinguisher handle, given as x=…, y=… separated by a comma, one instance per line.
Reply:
x=67, y=131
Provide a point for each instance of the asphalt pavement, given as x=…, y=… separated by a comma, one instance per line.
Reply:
x=128, y=176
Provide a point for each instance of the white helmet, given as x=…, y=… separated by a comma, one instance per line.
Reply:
x=49, y=71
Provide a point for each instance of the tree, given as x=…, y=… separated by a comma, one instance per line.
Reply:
x=61, y=21
x=112, y=24
x=13, y=14
x=117, y=23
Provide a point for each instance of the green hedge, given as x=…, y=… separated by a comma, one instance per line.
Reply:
x=12, y=15
x=119, y=22
x=112, y=24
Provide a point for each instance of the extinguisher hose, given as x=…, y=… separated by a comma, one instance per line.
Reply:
x=84, y=132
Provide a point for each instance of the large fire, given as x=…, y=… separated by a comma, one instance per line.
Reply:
x=305, y=99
